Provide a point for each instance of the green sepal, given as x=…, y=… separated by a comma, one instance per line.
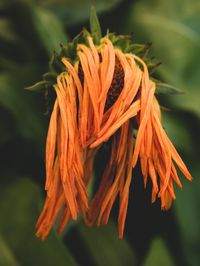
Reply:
x=152, y=64
x=140, y=50
x=40, y=86
x=121, y=41
x=125, y=43
x=56, y=66
x=69, y=51
x=152, y=67
x=55, y=63
x=81, y=38
x=95, y=27
x=163, y=88
x=49, y=76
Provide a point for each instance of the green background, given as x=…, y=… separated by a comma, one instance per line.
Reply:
x=30, y=30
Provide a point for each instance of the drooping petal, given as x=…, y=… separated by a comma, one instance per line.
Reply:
x=51, y=145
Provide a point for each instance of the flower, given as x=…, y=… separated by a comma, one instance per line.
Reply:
x=103, y=95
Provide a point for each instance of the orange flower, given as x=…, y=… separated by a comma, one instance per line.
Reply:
x=98, y=99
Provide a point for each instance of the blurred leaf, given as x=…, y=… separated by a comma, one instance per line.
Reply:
x=174, y=29
x=21, y=103
x=6, y=256
x=49, y=28
x=6, y=31
x=8, y=127
x=105, y=247
x=158, y=254
x=179, y=47
x=71, y=11
x=95, y=27
x=19, y=205
x=187, y=204
x=177, y=131
x=187, y=211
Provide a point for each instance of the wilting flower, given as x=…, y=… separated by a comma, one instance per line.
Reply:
x=103, y=95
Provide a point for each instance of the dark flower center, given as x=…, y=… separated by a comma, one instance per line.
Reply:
x=116, y=85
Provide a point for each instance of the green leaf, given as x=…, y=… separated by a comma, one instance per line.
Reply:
x=49, y=29
x=95, y=27
x=107, y=249
x=6, y=256
x=158, y=254
x=19, y=204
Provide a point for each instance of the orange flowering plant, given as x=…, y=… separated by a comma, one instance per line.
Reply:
x=104, y=94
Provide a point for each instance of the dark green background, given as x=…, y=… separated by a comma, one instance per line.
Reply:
x=29, y=32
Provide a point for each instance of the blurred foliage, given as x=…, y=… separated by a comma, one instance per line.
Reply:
x=30, y=31
x=113, y=251
x=164, y=258
x=22, y=210
x=173, y=27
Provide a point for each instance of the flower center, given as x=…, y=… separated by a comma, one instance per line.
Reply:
x=116, y=85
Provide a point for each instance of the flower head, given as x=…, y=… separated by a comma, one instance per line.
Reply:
x=103, y=94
